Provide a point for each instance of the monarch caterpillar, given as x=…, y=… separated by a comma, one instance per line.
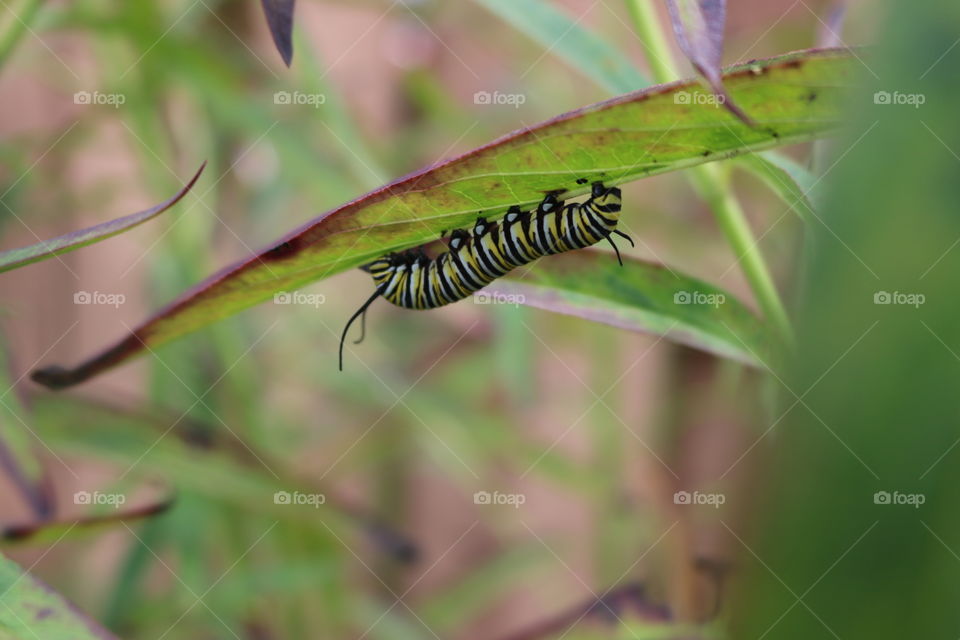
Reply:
x=476, y=258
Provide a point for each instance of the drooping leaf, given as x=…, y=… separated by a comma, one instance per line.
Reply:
x=14, y=258
x=787, y=178
x=698, y=25
x=279, y=14
x=576, y=46
x=639, y=296
x=33, y=610
x=792, y=98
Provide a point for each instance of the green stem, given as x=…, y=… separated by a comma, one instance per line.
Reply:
x=646, y=22
x=712, y=188
x=19, y=24
x=709, y=182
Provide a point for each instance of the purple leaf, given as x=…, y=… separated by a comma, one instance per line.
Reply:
x=279, y=15
x=698, y=25
x=829, y=35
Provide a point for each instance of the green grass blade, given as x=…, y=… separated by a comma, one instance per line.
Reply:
x=787, y=178
x=15, y=258
x=793, y=98
x=581, y=49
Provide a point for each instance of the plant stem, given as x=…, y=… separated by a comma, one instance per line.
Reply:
x=647, y=24
x=713, y=188
x=709, y=182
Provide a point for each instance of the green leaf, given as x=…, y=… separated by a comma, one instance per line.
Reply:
x=787, y=178
x=579, y=48
x=43, y=250
x=33, y=610
x=639, y=296
x=793, y=98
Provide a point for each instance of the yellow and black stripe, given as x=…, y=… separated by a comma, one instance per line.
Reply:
x=476, y=258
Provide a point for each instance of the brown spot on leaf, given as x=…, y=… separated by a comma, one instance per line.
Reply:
x=282, y=250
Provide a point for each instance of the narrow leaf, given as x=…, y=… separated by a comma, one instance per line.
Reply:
x=279, y=15
x=788, y=179
x=698, y=25
x=579, y=48
x=793, y=98
x=33, y=610
x=15, y=258
x=52, y=530
x=639, y=296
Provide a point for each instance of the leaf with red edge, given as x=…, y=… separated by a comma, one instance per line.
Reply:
x=15, y=258
x=793, y=98
x=698, y=25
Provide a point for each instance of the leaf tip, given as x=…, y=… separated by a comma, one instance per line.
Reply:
x=55, y=377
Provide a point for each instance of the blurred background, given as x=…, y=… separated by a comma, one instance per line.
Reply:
x=484, y=471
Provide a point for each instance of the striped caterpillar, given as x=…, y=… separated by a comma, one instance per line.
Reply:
x=412, y=280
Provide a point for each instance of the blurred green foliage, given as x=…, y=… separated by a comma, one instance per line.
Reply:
x=858, y=534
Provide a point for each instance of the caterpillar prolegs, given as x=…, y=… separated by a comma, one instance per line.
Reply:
x=476, y=258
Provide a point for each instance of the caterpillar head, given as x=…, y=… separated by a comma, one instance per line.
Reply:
x=597, y=190
x=602, y=195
